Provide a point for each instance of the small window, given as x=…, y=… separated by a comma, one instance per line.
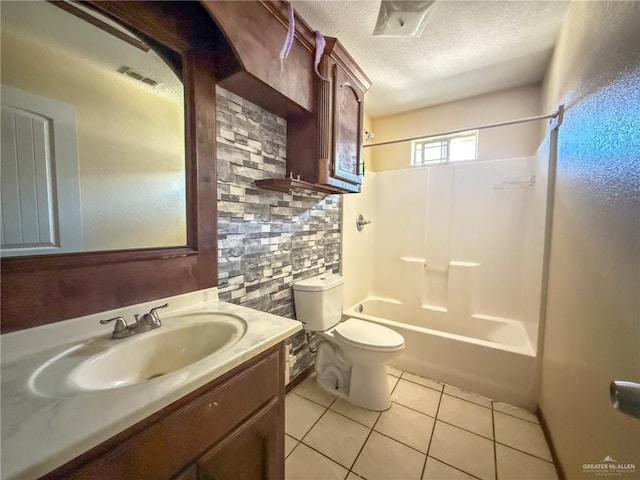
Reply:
x=450, y=148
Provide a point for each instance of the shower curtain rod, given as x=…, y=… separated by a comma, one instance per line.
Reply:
x=462, y=130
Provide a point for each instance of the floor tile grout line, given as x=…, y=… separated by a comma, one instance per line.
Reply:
x=515, y=416
x=301, y=441
x=314, y=424
x=371, y=430
x=495, y=452
x=362, y=447
x=359, y=475
x=526, y=453
x=454, y=467
x=298, y=442
x=325, y=456
x=422, y=385
x=400, y=442
x=464, y=429
x=293, y=392
x=412, y=409
x=468, y=401
x=354, y=420
x=424, y=466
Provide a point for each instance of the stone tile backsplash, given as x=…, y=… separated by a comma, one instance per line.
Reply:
x=267, y=240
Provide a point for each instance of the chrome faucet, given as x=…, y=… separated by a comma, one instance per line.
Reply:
x=149, y=321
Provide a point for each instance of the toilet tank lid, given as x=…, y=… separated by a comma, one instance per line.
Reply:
x=318, y=283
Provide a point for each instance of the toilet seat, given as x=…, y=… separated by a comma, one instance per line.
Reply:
x=368, y=335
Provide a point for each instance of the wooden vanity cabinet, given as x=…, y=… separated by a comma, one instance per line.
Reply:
x=232, y=428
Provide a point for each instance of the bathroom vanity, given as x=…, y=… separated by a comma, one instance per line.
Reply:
x=67, y=413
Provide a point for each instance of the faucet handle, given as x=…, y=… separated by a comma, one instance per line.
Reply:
x=121, y=324
x=154, y=314
x=153, y=310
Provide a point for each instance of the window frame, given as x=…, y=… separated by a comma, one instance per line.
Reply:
x=445, y=145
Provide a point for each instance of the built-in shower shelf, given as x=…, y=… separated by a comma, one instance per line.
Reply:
x=464, y=264
x=413, y=259
x=435, y=308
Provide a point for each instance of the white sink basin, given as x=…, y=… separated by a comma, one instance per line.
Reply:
x=103, y=364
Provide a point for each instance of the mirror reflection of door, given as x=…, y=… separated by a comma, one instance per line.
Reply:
x=40, y=184
x=128, y=170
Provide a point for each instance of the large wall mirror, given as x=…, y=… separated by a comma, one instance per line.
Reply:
x=147, y=173
x=93, y=135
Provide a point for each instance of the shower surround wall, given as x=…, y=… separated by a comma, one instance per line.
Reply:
x=267, y=240
x=461, y=243
x=458, y=256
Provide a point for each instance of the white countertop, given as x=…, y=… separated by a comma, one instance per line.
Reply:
x=40, y=431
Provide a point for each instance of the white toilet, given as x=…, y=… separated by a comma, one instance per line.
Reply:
x=352, y=355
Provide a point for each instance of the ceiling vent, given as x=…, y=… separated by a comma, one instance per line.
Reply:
x=137, y=76
x=402, y=18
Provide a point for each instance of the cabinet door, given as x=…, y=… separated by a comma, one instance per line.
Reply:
x=347, y=127
x=254, y=451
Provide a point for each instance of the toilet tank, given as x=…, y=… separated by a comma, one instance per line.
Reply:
x=318, y=301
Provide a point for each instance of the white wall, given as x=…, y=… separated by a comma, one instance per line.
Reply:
x=592, y=332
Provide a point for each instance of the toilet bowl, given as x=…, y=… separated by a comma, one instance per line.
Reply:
x=352, y=354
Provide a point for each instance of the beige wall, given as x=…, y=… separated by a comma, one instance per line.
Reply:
x=592, y=332
x=130, y=145
x=505, y=142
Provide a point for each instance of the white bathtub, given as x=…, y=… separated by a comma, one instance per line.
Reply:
x=487, y=355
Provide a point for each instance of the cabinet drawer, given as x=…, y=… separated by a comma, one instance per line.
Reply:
x=168, y=445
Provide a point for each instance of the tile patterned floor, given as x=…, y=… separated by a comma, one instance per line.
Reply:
x=431, y=432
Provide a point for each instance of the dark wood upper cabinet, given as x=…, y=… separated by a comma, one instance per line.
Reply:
x=348, y=85
x=324, y=148
x=257, y=31
x=324, y=115
x=347, y=127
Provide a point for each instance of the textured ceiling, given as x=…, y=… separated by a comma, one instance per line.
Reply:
x=468, y=48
